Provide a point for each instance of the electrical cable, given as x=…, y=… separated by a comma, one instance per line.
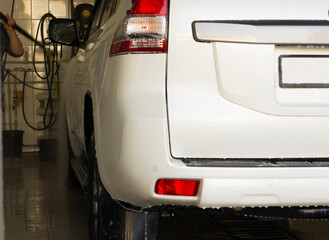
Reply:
x=21, y=81
x=12, y=8
x=51, y=69
x=23, y=104
x=51, y=74
x=23, y=110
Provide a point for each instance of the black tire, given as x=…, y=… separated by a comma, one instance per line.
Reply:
x=108, y=218
x=98, y=198
x=93, y=192
x=72, y=180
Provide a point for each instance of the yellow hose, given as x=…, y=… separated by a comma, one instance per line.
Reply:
x=51, y=69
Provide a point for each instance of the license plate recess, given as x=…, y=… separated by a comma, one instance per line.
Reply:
x=304, y=71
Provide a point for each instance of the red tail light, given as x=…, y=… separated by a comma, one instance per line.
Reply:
x=153, y=7
x=144, y=30
x=177, y=187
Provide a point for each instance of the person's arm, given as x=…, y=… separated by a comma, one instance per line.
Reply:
x=16, y=46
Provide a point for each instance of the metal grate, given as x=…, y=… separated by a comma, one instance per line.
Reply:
x=244, y=227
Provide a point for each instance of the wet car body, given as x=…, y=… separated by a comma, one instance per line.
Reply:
x=235, y=100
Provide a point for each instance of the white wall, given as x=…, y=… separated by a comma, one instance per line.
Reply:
x=5, y=6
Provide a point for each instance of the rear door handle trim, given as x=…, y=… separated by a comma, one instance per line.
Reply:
x=275, y=32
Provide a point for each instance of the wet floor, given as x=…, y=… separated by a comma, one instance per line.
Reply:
x=37, y=203
x=39, y=206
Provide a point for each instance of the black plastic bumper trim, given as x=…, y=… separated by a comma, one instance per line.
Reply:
x=275, y=162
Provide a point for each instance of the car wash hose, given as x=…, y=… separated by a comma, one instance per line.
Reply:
x=51, y=74
x=51, y=64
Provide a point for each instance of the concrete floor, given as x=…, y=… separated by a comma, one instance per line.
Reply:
x=39, y=206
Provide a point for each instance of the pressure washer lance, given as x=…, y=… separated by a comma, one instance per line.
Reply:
x=22, y=31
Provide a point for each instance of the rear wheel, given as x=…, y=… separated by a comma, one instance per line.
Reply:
x=109, y=219
x=72, y=181
x=96, y=194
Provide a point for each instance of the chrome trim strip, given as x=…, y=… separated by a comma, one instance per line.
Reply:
x=276, y=32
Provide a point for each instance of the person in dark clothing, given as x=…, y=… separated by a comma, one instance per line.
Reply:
x=10, y=43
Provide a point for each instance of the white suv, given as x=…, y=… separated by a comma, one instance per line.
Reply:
x=202, y=103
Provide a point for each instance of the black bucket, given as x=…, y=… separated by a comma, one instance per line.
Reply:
x=12, y=143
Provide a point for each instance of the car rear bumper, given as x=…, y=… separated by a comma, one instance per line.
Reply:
x=146, y=158
x=133, y=151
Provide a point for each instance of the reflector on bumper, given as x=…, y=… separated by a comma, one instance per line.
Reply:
x=177, y=187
